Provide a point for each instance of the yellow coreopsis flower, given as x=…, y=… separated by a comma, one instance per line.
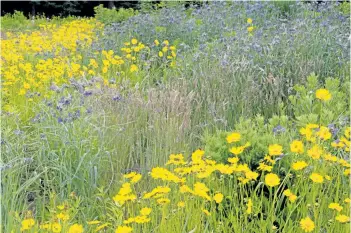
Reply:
x=275, y=150
x=237, y=150
x=271, y=180
x=145, y=211
x=233, y=137
x=76, y=228
x=335, y=206
x=342, y=218
x=123, y=229
x=181, y=204
x=218, y=198
x=315, y=152
x=299, y=165
x=249, y=20
x=62, y=216
x=134, y=41
x=250, y=29
x=324, y=133
x=316, y=178
x=163, y=201
x=27, y=224
x=134, y=68
x=56, y=227
x=206, y=212
x=307, y=225
x=297, y=147
x=176, y=159
x=323, y=94
x=264, y=167
x=156, y=42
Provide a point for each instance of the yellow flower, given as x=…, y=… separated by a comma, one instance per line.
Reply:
x=156, y=42
x=145, y=211
x=299, y=165
x=22, y=92
x=233, y=160
x=27, y=224
x=297, y=147
x=206, y=212
x=218, y=198
x=176, y=159
x=323, y=94
x=166, y=175
x=166, y=42
x=172, y=48
x=181, y=204
x=75, y=228
x=133, y=68
x=163, y=201
x=237, y=150
x=324, y=133
x=233, y=137
x=201, y=190
x=164, y=49
x=315, y=152
x=250, y=29
x=292, y=198
x=264, y=167
x=45, y=226
x=196, y=156
x=62, y=216
x=342, y=218
x=287, y=193
x=123, y=229
x=124, y=194
x=316, y=178
x=158, y=190
x=335, y=206
x=160, y=54
x=307, y=225
x=249, y=20
x=347, y=200
x=250, y=175
x=135, y=177
x=56, y=227
x=26, y=85
x=275, y=150
x=272, y=180
x=134, y=41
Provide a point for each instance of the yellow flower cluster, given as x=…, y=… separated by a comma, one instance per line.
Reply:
x=36, y=65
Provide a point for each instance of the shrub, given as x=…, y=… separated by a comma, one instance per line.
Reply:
x=108, y=16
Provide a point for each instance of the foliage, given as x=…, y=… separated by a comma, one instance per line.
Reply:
x=108, y=16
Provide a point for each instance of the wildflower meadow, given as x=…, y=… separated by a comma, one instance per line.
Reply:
x=177, y=117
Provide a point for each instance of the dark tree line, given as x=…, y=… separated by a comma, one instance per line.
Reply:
x=61, y=8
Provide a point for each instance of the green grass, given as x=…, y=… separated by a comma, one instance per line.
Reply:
x=47, y=161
